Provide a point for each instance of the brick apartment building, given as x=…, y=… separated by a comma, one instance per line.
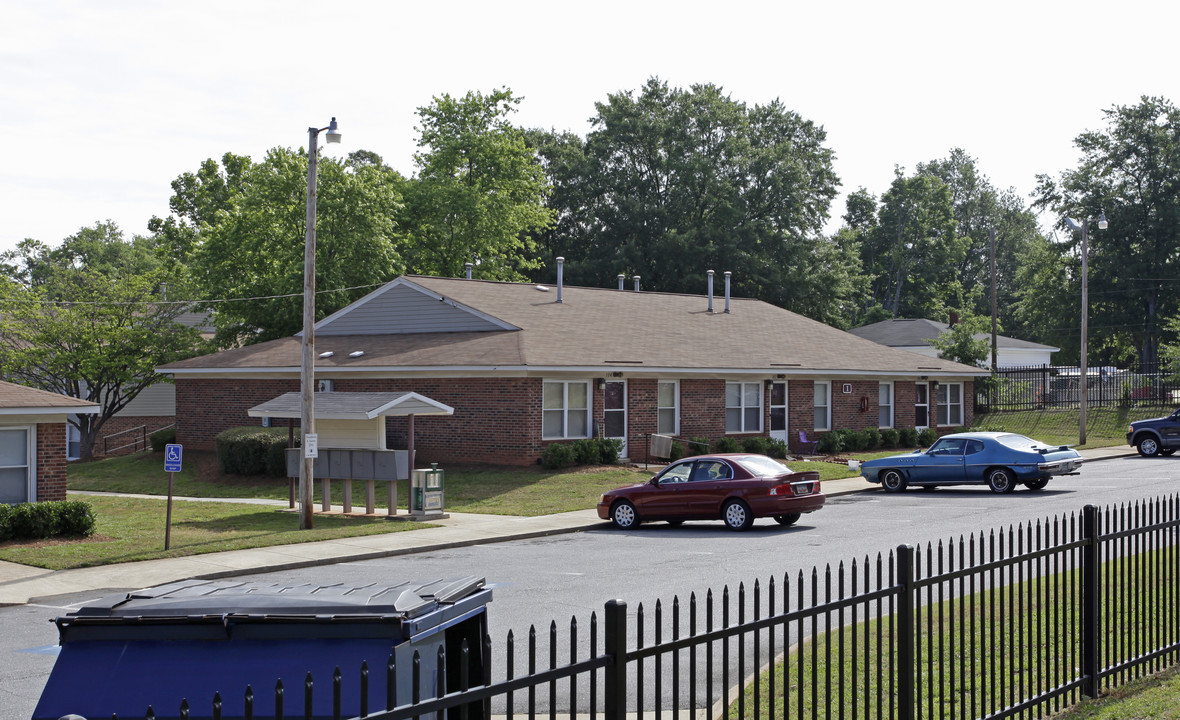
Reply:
x=33, y=442
x=526, y=365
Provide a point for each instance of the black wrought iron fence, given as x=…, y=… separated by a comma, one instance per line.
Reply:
x=1059, y=386
x=1015, y=623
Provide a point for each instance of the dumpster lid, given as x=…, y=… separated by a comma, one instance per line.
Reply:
x=194, y=600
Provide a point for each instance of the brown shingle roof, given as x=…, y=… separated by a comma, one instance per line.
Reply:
x=599, y=328
x=15, y=398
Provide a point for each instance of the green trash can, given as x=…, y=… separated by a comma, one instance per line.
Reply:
x=426, y=491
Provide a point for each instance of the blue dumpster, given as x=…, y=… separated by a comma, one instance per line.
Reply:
x=189, y=640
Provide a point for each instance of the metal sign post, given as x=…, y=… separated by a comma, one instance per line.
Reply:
x=173, y=456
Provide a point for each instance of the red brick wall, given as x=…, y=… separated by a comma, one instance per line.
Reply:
x=498, y=420
x=51, y=461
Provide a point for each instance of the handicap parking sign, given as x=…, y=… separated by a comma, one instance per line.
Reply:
x=172, y=457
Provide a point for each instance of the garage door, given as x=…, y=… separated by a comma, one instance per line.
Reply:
x=14, y=465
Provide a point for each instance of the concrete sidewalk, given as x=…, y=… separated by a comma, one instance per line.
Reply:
x=20, y=584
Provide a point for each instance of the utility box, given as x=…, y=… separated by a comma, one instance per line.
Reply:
x=426, y=491
x=191, y=639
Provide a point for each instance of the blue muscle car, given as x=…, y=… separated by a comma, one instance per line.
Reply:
x=999, y=460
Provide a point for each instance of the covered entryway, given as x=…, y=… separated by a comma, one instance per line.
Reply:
x=614, y=413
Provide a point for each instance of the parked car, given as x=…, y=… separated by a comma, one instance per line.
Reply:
x=1157, y=436
x=996, y=459
x=735, y=488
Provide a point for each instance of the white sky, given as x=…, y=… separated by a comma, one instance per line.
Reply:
x=103, y=104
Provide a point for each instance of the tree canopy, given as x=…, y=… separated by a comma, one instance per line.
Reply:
x=86, y=319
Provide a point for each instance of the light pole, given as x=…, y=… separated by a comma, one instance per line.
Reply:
x=307, y=367
x=1083, y=371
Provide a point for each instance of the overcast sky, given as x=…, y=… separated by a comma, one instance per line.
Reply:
x=103, y=104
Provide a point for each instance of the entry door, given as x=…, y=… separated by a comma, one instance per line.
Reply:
x=15, y=464
x=778, y=411
x=922, y=407
x=614, y=412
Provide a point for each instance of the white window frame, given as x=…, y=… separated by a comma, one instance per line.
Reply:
x=743, y=407
x=891, y=404
x=942, y=400
x=827, y=385
x=565, y=409
x=30, y=465
x=674, y=407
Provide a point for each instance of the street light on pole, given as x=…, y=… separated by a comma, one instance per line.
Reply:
x=1083, y=370
x=307, y=367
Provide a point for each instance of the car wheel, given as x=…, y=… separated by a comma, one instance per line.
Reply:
x=737, y=515
x=893, y=481
x=1148, y=446
x=1000, y=480
x=1037, y=484
x=623, y=515
x=788, y=519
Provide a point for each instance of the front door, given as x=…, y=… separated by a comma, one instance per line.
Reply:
x=922, y=407
x=614, y=413
x=778, y=411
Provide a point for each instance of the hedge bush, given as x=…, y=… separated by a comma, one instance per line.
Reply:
x=890, y=438
x=557, y=456
x=777, y=449
x=160, y=438
x=35, y=521
x=677, y=451
x=727, y=445
x=927, y=437
x=830, y=443
x=907, y=437
x=757, y=444
x=699, y=446
x=253, y=450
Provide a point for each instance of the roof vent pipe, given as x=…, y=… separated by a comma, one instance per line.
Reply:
x=468, y=266
x=727, y=274
x=636, y=279
x=560, y=276
x=710, y=274
x=622, y=279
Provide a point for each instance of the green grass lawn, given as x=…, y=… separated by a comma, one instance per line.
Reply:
x=130, y=529
x=1105, y=426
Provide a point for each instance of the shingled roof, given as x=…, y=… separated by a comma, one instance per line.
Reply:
x=918, y=331
x=21, y=400
x=444, y=324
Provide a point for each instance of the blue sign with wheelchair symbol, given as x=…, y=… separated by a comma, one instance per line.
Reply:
x=172, y=457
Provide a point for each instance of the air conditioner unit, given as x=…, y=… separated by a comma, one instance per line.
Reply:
x=324, y=386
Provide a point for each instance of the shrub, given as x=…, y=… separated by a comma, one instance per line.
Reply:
x=890, y=438
x=727, y=445
x=907, y=437
x=758, y=445
x=160, y=438
x=609, y=450
x=927, y=437
x=677, y=451
x=872, y=438
x=558, y=455
x=777, y=449
x=252, y=450
x=856, y=441
x=829, y=443
x=587, y=452
x=699, y=446
x=35, y=521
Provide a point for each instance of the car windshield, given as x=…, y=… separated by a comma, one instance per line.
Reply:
x=1018, y=442
x=763, y=466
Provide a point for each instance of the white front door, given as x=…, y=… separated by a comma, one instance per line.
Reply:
x=614, y=412
x=922, y=407
x=16, y=465
x=778, y=411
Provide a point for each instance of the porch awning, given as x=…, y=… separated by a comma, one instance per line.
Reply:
x=352, y=405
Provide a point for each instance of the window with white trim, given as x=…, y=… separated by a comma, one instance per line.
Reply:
x=823, y=405
x=566, y=411
x=950, y=404
x=885, y=405
x=668, y=407
x=16, y=464
x=743, y=407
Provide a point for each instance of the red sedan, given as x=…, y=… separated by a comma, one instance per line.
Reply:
x=734, y=488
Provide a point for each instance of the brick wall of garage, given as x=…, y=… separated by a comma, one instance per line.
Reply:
x=51, y=461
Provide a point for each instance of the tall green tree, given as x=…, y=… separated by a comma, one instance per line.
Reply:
x=478, y=194
x=960, y=343
x=671, y=182
x=247, y=223
x=1131, y=170
x=86, y=319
